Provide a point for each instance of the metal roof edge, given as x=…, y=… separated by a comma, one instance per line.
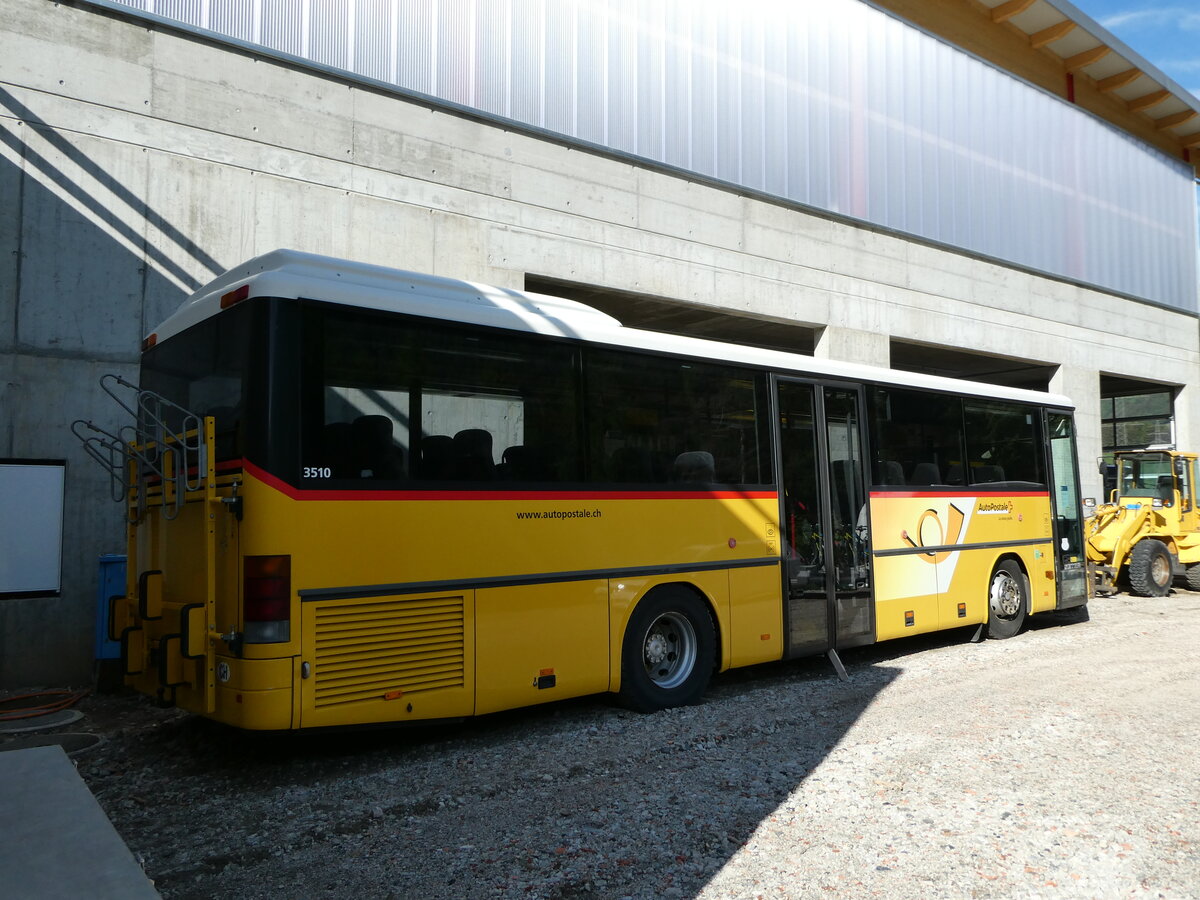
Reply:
x=1102, y=34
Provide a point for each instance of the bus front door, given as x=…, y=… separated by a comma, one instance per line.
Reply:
x=824, y=517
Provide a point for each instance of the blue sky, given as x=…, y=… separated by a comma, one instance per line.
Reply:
x=1166, y=33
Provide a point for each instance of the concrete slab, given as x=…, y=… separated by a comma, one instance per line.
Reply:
x=57, y=840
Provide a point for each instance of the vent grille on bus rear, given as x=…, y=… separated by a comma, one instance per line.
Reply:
x=368, y=648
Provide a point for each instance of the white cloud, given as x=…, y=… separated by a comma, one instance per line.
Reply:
x=1164, y=16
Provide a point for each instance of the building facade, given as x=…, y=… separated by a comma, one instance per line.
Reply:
x=963, y=188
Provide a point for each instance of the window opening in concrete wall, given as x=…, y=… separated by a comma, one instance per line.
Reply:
x=951, y=362
x=1134, y=415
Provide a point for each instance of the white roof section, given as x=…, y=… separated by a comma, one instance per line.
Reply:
x=291, y=274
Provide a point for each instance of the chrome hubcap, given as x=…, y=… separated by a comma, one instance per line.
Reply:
x=669, y=650
x=1005, y=595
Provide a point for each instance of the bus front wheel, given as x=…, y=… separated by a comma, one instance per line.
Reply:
x=668, y=651
x=1008, y=600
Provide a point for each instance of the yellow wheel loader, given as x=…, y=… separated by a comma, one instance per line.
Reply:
x=1149, y=531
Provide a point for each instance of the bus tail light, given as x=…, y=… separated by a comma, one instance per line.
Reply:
x=267, y=599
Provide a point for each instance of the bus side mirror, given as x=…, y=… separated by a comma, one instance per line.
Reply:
x=1101, y=466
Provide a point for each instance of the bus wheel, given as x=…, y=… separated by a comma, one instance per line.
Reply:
x=1150, y=568
x=668, y=651
x=1008, y=600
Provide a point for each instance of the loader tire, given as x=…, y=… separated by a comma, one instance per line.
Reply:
x=1150, y=568
x=1191, y=577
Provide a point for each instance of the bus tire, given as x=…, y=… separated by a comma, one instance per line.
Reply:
x=1150, y=568
x=1008, y=600
x=668, y=651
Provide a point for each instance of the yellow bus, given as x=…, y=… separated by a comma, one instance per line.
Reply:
x=362, y=495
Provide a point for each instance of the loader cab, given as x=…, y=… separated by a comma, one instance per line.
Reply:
x=1164, y=480
x=1145, y=477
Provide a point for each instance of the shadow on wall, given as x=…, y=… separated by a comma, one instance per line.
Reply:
x=87, y=266
x=96, y=193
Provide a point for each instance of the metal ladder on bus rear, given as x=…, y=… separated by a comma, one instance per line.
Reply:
x=178, y=464
x=149, y=449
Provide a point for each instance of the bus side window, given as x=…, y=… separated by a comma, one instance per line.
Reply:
x=920, y=430
x=657, y=421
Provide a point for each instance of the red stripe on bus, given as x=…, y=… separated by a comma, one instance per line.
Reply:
x=318, y=494
x=924, y=494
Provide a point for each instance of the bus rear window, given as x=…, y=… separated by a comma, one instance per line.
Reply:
x=203, y=370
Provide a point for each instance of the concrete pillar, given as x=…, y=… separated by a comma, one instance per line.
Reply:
x=852, y=345
x=1083, y=387
x=1187, y=418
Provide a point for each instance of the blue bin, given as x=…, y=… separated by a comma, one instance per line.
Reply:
x=111, y=584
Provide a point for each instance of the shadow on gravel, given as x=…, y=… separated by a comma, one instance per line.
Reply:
x=574, y=800
x=577, y=799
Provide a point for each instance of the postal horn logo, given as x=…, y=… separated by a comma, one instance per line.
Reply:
x=939, y=537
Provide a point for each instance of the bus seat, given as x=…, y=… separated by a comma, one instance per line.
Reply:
x=925, y=473
x=506, y=469
x=694, y=467
x=437, y=457
x=376, y=456
x=522, y=463
x=890, y=472
x=473, y=455
x=954, y=474
x=337, y=441
x=987, y=474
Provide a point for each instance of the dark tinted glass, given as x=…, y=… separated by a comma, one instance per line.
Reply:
x=660, y=421
x=391, y=400
x=1003, y=443
x=916, y=438
x=205, y=370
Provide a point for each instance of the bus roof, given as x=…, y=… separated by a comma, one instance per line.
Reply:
x=291, y=274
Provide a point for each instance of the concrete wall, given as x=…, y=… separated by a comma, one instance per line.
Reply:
x=136, y=163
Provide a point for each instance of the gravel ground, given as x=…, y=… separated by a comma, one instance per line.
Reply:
x=1061, y=763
